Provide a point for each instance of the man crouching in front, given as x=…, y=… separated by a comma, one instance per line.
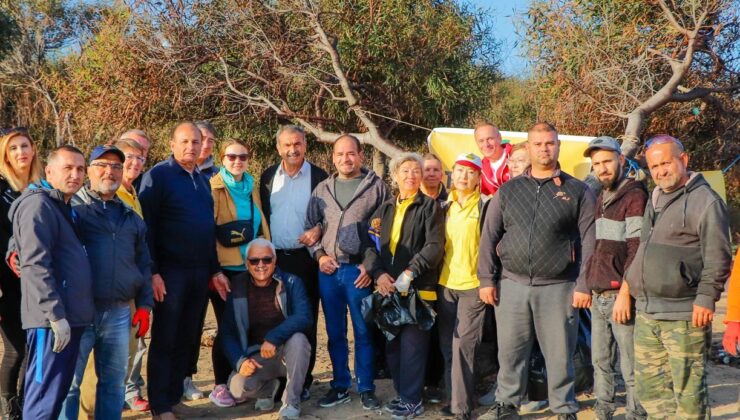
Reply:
x=263, y=332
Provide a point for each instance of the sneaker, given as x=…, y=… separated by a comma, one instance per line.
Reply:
x=289, y=412
x=369, y=400
x=501, y=411
x=567, y=416
x=137, y=404
x=489, y=398
x=268, y=403
x=533, y=406
x=433, y=395
x=334, y=397
x=392, y=405
x=221, y=397
x=408, y=411
x=189, y=391
x=305, y=395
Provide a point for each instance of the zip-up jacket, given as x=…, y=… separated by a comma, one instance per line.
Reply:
x=462, y=242
x=344, y=230
x=178, y=211
x=618, y=223
x=733, y=292
x=538, y=232
x=684, y=255
x=420, y=247
x=118, y=252
x=56, y=278
x=293, y=301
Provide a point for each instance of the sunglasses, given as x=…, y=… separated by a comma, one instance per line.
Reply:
x=663, y=139
x=232, y=157
x=263, y=260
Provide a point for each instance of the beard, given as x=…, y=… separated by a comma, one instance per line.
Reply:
x=611, y=182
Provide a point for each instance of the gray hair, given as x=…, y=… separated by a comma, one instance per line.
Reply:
x=136, y=132
x=290, y=128
x=124, y=143
x=206, y=125
x=399, y=160
x=261, y=242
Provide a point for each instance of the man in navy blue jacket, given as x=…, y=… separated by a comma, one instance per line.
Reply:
x=264, y=332
x=181, y=232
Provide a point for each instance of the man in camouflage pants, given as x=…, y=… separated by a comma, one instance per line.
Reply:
x=676, y=277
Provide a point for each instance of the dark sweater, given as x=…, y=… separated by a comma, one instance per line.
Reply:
x=618, y=223
x=538, y=232
x=178, y=210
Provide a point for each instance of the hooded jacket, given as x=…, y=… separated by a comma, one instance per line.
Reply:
x=56, y=276
x=293, y=301
x=684, y=255
x=618, y=224
x=118, y=252
x=344, y=230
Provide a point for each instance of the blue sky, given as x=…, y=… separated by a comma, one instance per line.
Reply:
x=504, y=14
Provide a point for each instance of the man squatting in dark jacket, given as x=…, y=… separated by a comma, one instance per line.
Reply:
x=537, y=239
x=264, y=328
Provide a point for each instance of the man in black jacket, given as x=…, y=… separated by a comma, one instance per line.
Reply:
x=537, y=238
x=285, y=189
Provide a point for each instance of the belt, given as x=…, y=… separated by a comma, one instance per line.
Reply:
x=291, y=251
x=610, y=292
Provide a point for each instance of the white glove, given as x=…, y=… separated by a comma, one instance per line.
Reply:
x=62, y=334
x=403, y=282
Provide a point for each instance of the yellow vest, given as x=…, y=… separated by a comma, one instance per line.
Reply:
x=131, y=199
x=462, y=237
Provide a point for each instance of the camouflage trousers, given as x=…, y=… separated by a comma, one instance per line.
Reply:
x=670, y=368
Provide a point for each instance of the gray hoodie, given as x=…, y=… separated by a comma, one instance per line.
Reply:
x=345, y=230
x=684, y=254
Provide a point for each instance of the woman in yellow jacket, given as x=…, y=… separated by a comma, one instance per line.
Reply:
x=239, y=219
x=460, y=312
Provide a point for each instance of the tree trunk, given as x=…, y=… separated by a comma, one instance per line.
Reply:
x=635, y=125
x=379, y=162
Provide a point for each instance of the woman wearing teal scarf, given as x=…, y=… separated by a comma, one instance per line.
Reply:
x=239, y=219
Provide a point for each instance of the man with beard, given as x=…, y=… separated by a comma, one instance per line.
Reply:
x=677, y=275
x=537, y=239
x=115, y=239
x=619, y=210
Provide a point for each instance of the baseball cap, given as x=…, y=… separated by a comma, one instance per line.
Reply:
x=470, y=160
x=602, y=143
x=99, y=151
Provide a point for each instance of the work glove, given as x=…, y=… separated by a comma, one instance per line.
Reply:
x=403, y=282
x=141, y=318
x=731, y=338
x=62, y=334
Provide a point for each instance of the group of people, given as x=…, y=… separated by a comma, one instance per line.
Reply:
x=91, y=265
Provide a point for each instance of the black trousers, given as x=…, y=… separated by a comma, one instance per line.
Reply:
x=406, y=356
x=13, y=337
x=299, y=262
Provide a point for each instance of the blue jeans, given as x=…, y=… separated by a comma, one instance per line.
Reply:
x=338, y=292
x=109, y=336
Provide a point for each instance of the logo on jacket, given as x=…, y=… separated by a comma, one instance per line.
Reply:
x=562, y=195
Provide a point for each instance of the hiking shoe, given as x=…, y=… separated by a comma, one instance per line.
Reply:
x=567, y=416
x=392, y=405
x=305, y=395
x=221, y=397
x=268, y=403
x=137, y=404
x=334, y=397
x=433, y=395
x=369, y=400
x=501, y=411
x=289, y=412
x=189, y=391
x=408, y=411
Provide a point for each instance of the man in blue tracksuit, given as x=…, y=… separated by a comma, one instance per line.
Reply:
x=56, y=286
x=115, y=238
x=178, y=210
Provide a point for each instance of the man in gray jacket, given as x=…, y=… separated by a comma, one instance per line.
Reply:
x=677, y=275
x=342, y=205
x=115, y=238
x=56, y=285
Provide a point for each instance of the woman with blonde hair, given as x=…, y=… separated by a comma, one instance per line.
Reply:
x=19, y=167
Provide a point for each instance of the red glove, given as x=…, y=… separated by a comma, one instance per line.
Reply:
x=141, y=317
x=14, y=263
x=731, y=339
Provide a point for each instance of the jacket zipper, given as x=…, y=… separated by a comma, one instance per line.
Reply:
x=531, y=228
x=341, y=212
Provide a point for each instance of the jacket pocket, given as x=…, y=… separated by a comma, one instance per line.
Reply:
x=671, y=272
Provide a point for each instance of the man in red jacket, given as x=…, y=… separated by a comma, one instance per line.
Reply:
x=619, y=210
x=494, y=171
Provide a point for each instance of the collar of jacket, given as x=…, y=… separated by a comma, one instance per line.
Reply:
x=173, y=163
x=88, y=196
x=556, y=177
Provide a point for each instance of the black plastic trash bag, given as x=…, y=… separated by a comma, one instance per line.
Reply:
x=392, y=312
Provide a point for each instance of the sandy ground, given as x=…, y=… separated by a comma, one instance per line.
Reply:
x=724, y=385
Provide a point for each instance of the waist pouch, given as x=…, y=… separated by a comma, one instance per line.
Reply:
x=236, y=233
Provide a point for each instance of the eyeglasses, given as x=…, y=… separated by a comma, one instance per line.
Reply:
x=663, y=139
x=141, y=159
x=103, y=165
x=263, y=260
x=232, y=157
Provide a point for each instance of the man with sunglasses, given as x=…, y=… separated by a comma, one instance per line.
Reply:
x=115, y=239
x=264, y=332
x=677, y=275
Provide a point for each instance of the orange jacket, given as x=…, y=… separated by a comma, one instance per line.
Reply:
x=733, y=292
